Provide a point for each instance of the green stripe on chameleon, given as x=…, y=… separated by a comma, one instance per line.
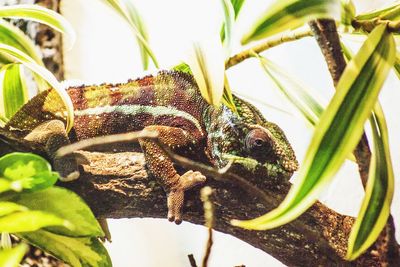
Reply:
x=156, y=111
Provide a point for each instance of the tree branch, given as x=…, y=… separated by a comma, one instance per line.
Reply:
x=124, y=190
x=327, y=37
x=270, y=42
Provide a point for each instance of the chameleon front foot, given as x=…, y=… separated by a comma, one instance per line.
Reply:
x=177, y=194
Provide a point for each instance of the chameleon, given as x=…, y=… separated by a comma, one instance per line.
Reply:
x=170, y=104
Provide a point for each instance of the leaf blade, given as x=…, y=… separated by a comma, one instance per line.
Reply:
x=28, y=62
x=375, y=208
x=15, y=91
x=290, y=14
x=42, y=15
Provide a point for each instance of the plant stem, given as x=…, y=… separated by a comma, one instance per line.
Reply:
x=270, y=42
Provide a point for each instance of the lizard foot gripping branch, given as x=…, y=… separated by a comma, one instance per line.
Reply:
x=170, y=104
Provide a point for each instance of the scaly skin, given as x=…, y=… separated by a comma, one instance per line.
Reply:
x=170, y=104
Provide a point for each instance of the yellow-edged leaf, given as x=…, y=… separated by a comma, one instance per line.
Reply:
x=42, y=15
x=12, y=257
x=208, y=67
x=338, y=130
x=28, y=62
x=285, y=15
x=375, y=208
x=14, y=89
x=13, y=36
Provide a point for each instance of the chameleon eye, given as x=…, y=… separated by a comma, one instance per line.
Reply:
x=258, y=144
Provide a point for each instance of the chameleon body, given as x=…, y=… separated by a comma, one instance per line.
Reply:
x=171, y=104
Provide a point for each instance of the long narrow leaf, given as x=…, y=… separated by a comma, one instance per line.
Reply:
x=303, y=100
x=28, y=62
x=13, y=256
x=237, y=6
x=397, y=66
x=13, y=36
x=339, y=128
x=375, y=208
x=42, y=15
x=290, y=14
x=129, y=13
x=378, y=13
x=14, y=88
x=229, y=20
x=208, y=67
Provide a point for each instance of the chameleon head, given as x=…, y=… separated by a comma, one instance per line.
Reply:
x=247, y=139
x=262, y=145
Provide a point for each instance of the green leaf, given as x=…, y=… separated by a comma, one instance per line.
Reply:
x=397, y=65
x=42, y=15
x=297, y=94
x=375, y=208
x=348, y=12
x=10, y=207
x=65, y=204
x=237, y=6
x=285, y=15
x=380, y=13
x=208, y=68
x=229, y=20
x=338, y=130
x=13, y=36
x=183, y=67
x=27, y=171
x=27, y=221
x=128, y=12
x=12, y=257
x=75, y=251
x=13, y=85
x=28, y=62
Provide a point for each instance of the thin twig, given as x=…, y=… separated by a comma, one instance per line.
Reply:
x=270, y=42
x=209, y=217
x=108, y=139
x=192, y=260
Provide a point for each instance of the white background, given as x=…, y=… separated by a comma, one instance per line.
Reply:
x=106, y=51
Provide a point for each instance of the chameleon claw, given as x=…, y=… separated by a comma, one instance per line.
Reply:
x=176, y=196
x=70, y=177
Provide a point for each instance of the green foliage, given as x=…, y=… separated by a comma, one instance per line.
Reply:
x=14, y=87
x=79, y=251
x=28, y=62
x=65, y=204
x=290, y=14
x=39, y=212
x=375, y=208
x=42, y=15
x=13, y=36
x=11, y=257
x=339, y=129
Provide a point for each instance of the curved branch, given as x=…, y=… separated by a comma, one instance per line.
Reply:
x=118, y=186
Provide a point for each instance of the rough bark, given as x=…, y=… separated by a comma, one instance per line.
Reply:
x=118, y=186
